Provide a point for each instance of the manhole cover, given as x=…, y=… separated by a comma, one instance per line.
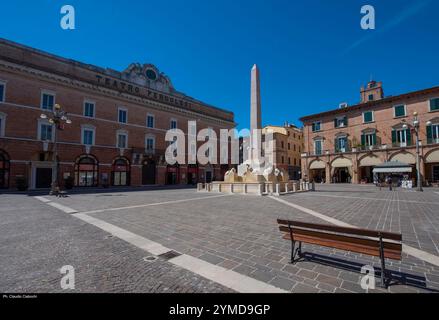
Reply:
x=169, y=255
x=150, y=258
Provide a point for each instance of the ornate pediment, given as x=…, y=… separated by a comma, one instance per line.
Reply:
x=147, y=75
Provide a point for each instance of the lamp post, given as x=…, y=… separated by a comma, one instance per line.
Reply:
x=418, y=158
x=58, y=118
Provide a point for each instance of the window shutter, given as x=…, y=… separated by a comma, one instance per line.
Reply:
x=363, y=140
x=335, y=123
x=393, y=136
x=313, y=127
x=409, y=137
x=346, y=121
x=374, y=139
x=429, y=133
x=336, y=145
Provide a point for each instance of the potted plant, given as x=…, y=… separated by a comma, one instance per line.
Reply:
x=21, y=183
x=68, y=182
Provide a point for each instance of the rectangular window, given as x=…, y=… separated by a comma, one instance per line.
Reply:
x=173, y=124
x=399, y=111
x=318, y=147
x=149, y=144
x=89, y=109
x=123, y=115
x=2, y=91
x=340, y=122
x=341, y=144
x=370, y=97
x=88, y=137
x=434, y=104
x=368, y=116
x=122, y=140
x=46, y=131
x=433, y=133
x=401, y=137
x=47, y=101
x=368, y=139
x=316, y=126
x=150, y=121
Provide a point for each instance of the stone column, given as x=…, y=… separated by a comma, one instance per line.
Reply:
x=328, y=173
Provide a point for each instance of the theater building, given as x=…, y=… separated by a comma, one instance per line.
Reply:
x=119, y=122
x=344, y=145
x=287, y=149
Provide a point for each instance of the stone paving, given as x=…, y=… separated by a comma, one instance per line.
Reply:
x=36, y=240
x=235, y=232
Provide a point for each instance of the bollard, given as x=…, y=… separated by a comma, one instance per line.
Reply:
x=313, y=186
x=244, y=188
x=277, y=189
x=286, y=187
x=231, y=188
x=294, y=187
x=261, y=189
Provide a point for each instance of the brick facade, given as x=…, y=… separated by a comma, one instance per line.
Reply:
x=288, y=148
x=26, y=74
x=344, y=145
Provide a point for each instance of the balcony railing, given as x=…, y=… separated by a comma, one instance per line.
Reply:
x=433, y=141
x=402, y=144
x=342, y=150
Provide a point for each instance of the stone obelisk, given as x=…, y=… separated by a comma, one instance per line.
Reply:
x=255, y=119
x=255, y=100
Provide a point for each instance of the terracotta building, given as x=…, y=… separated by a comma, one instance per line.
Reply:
x=345, y=144
x=288, y=148
x=119, y=121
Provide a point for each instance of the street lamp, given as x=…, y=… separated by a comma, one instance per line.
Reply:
x=418, y=159
x=58, y=118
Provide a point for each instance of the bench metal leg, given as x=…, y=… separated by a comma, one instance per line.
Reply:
x=293, y=245
x=383, y=264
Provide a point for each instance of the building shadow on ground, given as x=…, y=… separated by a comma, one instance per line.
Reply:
x=396, y=277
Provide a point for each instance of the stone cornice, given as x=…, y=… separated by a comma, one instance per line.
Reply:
x=73, y=83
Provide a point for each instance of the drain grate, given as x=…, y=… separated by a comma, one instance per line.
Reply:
x=169, y=255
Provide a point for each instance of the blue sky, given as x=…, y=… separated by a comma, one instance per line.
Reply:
x=312, y=54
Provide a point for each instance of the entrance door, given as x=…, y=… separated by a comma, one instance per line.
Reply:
x=435, y=173
x=208, y=176
x=43, y=177
x=148, y=173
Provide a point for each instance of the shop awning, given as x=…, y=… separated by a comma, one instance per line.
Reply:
x=392, y=170
x=392, y=167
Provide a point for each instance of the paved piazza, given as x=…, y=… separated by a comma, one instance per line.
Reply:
x=213, y=232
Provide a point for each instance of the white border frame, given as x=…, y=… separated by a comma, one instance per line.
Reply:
x=3, y=83
x=118, y=114
x=3, y=116
x=319, y=121
x=373, y=116
x=94, y=108
x=46, y=122
x=398, y=105
x=153, y=120
x=88, y=127
x=48, y=92
x=170, y=123
x=429, y=104
x=150, y=136
x=122, y=132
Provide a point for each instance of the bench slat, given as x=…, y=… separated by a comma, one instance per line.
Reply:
x=339, y=237
x=347, y=230
x=347, y=246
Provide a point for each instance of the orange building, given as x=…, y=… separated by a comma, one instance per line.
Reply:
x=119, y=122
x=345, y=144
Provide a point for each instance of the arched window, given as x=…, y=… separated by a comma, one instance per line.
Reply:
x=121, y=172
x=4, y=169
x=86, y=171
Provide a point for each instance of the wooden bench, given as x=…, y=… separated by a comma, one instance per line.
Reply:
x=369, y=242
